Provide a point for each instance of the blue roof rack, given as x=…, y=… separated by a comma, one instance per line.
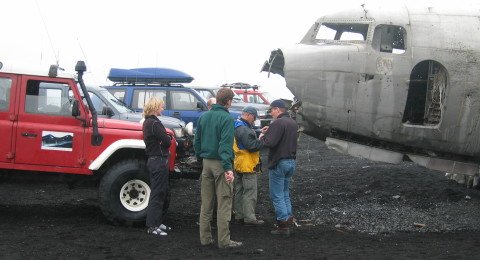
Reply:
x=149, y=75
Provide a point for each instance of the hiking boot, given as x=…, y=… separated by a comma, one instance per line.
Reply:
x=281, y=229
x=292, y=223
x=156, y=231
x=232, y=244
x=209, y=243
x=238, y=221
x=256, y=222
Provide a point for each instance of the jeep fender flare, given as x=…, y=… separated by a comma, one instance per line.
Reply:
x=112, y=148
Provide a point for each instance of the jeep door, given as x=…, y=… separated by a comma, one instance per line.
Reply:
x=185, y=106
x=7, y=118
x=47, y=133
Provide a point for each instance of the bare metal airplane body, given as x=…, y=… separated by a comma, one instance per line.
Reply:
x=390, y=84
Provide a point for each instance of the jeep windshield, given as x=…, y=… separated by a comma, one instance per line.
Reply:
x=119, y=105
x=237, y=98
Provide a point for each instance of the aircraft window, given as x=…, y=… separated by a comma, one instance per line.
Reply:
x=342, y=32
x=389, y=38
x=426, y=94
x=5, y=86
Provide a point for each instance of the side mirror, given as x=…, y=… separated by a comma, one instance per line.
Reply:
x=201, y=106
x=75, y=108
x=107, y=111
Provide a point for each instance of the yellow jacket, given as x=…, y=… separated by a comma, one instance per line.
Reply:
x=246, y=161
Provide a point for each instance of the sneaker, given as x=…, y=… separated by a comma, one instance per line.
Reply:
x=165, y=227
x=256, y=222
x=232, y=244
x=156, y=231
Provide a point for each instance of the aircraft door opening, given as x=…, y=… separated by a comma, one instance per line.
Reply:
x=426, y=94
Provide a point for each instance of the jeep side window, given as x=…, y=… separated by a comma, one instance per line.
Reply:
x=141, y=96
x=182, y=100
x=47, y=98
x=5, y=87
x=205, y=94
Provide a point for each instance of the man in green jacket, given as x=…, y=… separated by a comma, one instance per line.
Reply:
x=214, y=146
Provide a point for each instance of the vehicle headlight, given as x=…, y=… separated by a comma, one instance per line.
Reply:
x=189, y=129
x=178, y=132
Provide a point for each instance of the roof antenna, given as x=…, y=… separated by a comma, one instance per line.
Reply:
x=364, y=10
x=48, y=34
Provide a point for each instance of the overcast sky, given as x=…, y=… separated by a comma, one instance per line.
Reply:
x=215, y=41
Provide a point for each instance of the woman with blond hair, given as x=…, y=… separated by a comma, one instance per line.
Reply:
x=157, y=144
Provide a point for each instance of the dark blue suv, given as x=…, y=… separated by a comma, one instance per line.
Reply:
x=135, y=86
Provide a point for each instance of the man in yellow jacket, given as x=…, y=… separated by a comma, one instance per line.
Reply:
x=247, y=166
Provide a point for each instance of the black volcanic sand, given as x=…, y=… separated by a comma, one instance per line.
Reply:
x=346, y=208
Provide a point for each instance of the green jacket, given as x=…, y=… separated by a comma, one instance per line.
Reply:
x=214, y=136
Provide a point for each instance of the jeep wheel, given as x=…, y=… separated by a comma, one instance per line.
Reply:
x=124, y=192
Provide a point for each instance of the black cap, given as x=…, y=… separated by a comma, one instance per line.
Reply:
x=278, y=103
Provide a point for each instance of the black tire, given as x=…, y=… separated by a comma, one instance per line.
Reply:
x=111, y=199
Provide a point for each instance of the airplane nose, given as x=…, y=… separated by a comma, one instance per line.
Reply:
x=275, y=63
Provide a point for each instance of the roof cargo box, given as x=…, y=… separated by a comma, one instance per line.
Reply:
x=149, y=75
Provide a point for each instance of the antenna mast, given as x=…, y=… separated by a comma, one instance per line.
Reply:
x=48, y=34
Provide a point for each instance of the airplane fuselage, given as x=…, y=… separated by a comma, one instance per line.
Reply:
x=407, y=77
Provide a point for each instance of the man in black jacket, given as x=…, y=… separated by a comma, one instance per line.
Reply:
x=281, y=139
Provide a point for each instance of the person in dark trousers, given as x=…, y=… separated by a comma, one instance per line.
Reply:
x=157, y=144
x=281, y=139
x=214, y=147
x=247, y=166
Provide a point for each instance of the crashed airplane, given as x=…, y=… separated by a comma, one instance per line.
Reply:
x=390, y=85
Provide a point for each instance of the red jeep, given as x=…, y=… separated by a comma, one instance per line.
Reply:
x=249, y=93
x=44, y=129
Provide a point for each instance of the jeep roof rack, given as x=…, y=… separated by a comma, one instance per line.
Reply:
x=162, y=76
x=240, y=85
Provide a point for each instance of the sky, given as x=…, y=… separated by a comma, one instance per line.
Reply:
x=214, y=41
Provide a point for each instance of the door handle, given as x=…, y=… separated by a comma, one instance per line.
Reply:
x=29, y=134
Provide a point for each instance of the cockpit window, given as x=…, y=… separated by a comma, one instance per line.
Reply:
x=342, y=32
x=389, y=38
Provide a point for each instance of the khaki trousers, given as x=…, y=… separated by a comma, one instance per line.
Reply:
x=213, y=184
x=245, y=199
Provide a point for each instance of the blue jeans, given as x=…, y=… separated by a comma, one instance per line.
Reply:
x=279, y=182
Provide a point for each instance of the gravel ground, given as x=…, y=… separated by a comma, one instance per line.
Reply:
x=365, y=196
x=345, y=206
